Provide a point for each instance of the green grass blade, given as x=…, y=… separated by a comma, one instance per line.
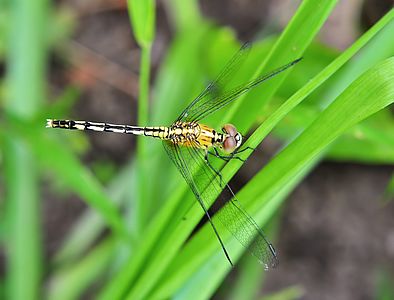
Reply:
x=142, y=18
x=292, y=43
x=370, y=142
x=289, y=293
x=55, y=156
x=83, y=183
x=142, y=201
x=381, y=47
x=23, y=230
x=26, y=68
x=384, y=285
x=249, y=279
x=90, y=225
x=184, y=15
x=69, y=283
x=365, y=144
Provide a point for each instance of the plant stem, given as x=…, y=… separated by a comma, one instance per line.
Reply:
x=143, y=203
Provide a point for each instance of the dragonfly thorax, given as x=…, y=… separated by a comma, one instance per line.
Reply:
x=184, y=133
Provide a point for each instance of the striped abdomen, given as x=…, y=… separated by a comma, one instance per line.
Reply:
x=157, y=132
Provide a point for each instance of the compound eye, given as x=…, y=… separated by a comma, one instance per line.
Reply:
x=229, y=144
x=230, y=129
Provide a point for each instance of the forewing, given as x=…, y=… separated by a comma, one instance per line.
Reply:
x=206, y=186
x=216, y=88
x=209, y=105
x=217, y=94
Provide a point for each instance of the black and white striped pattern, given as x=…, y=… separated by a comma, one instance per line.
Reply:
x=158, y=132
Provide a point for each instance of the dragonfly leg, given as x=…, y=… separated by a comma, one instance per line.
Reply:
x=212, y=168
x=237, y=151
x=226, y=158
x=244, y=149
x=216, y=233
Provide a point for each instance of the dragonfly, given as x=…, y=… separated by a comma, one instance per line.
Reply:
x=192, y=145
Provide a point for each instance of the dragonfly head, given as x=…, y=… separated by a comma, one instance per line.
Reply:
x=232, y=140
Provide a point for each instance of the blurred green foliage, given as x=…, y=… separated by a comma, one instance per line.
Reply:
x=385, y=290
x=331, y=106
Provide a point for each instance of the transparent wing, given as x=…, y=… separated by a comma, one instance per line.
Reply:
x=205, y=184
x=216, y=95
x=216, y=88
